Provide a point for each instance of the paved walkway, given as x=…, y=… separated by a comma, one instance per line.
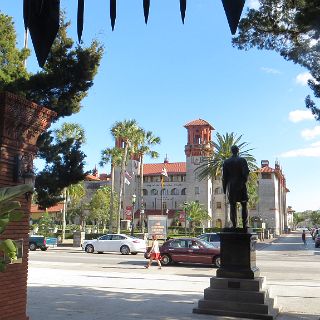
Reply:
x=56, y=293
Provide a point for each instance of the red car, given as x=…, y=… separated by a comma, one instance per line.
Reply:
x=189, y=250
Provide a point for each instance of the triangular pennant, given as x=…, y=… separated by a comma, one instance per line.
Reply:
x=26, y=5
x=113, y=12
x=233, y=10
x=80, y=18
x=183, y=7
x=43, y=23
x=146, y=7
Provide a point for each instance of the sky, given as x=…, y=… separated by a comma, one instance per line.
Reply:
x=165, y=74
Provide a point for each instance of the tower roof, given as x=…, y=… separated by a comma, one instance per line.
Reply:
x=198, y=122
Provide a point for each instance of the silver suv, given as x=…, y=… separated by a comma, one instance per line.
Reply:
x=212, y=237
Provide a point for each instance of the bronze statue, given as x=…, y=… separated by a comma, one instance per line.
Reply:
x=234, y=179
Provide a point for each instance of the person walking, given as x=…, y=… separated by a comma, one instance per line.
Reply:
x=154, y=253
x=303, y=236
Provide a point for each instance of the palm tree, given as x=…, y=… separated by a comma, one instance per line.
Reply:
x=196, y=213
x=212, y=166
x=128, y=132
x=113, y=155
x=146, y=141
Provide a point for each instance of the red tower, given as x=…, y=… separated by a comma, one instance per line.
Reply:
x=199, y=138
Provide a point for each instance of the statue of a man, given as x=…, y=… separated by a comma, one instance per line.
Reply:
x=234, y=179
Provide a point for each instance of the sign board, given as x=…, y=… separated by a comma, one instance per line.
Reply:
x=158, y=225
x=128, y=213
x=182, y=216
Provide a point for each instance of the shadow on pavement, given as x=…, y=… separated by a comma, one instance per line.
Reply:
x=79, y=303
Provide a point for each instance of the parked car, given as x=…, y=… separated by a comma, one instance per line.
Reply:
x=189, y=250
x=37, y=242
x=317, y=241
x=115, y=243
x=212, y=237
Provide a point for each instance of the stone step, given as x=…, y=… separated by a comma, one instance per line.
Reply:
x=256, y=284
x=236, y=314
x=236, y=295
x=234, y=306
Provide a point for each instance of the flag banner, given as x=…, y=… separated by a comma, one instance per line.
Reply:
x=126, y=181
x=164, y=172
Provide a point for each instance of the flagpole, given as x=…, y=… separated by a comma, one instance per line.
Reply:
x=162, y=181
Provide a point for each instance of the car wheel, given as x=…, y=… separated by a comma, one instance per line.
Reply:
x=124, y=250
x=217, y=261
x=44, y=248
x=32, y=246
x=134, y=253
x=166, y=259
x=89, y=248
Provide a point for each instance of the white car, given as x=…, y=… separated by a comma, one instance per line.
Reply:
x=115, y=243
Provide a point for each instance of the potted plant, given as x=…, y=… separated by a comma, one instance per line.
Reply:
x=9, y=212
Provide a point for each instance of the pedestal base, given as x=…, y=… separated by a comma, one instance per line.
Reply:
x=243, y=298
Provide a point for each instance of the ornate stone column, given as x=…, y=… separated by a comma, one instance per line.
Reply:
x=21, y=123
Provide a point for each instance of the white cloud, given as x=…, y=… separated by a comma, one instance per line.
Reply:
x=302, y=78
x=270, y=70
x=254, y=4
x=312, y=151
x=309, y=134
x=300, y=115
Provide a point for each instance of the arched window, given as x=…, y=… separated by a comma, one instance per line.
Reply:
x=175, y=191
x=218, y=223
x=145, y=192
x=154, y=192
x=217, y=191
x=183, y=191
x=165, y=191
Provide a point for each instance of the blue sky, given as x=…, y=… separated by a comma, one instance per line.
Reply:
x=166, y=74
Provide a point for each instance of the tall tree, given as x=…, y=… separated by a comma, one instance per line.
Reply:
x=60, y=86
x=212, y=166
x=146, y=141
x=128, y=132
x=64, y=164
x=292, y=29
x=114, y=156
x=11, y=58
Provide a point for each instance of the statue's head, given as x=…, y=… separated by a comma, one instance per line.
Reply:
x=234, y=150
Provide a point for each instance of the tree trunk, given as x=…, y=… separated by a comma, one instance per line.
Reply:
x=141, y=195
x=111, y=199
x=122, y=176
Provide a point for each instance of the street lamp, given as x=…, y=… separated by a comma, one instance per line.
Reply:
x=185, y=218
x=133, y=200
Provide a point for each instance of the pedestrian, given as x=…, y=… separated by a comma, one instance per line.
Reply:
x=154, y=253
x=303, y=236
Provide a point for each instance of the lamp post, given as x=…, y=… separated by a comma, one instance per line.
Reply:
x=133, y=200
x=185, y=218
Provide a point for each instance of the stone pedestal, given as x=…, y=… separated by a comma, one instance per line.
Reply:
x=237, y=290
x=238, y=255
x=243, y=298
x=78, y=238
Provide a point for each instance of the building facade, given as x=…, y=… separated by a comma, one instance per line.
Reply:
x=182, y=185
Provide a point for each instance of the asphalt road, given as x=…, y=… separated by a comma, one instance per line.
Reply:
x=291, y=270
